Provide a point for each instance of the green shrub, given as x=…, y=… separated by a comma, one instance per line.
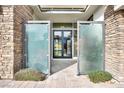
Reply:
x=99, y=76
x=29, y=75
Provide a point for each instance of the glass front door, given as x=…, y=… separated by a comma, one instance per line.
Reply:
x=62, y=44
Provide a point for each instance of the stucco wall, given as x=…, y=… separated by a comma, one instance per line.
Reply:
x=98, y=15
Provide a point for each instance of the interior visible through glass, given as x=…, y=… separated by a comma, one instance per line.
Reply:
x=62, y=44
x=58, y=43
x=75, y=43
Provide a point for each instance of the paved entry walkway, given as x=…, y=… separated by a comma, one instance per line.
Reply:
x=63, y=79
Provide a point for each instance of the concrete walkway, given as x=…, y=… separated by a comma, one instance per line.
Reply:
x=65, y=78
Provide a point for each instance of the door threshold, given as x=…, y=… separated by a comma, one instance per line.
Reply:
x=54, y=59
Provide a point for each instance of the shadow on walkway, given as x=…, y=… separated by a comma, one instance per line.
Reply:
x=59, y=65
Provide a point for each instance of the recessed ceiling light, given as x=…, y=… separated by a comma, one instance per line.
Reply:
x=63, y=12
x=63, y=9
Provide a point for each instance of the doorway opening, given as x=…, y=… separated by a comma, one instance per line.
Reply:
x=64, y=38
x=64, y=46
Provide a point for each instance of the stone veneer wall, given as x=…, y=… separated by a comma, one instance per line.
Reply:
x=6, y=42
x=21, y=15
x=114, y=42
x=11, y=38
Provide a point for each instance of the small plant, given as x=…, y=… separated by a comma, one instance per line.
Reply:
x=99, y=76
x=29, y=75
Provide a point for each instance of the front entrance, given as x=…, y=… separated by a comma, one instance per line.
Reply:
x=62, y=44
x=90, y=47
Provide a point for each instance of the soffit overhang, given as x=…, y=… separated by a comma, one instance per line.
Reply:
x=47, y=8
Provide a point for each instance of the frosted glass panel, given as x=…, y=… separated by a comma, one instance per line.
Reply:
x=37, y=37
x=90, y=47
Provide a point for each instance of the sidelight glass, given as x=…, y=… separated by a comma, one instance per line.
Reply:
x=90, y=47
x=37, y=45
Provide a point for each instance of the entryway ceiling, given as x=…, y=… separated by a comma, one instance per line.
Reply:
x=87, y=11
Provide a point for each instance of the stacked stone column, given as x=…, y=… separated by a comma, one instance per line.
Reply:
x=6, y=42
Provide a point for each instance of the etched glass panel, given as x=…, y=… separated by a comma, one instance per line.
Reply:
x=37, y=45
x=90, y=47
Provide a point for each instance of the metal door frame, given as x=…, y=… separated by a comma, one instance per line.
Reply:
x=48, y=55
x=78, y=43
x=62, y=31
